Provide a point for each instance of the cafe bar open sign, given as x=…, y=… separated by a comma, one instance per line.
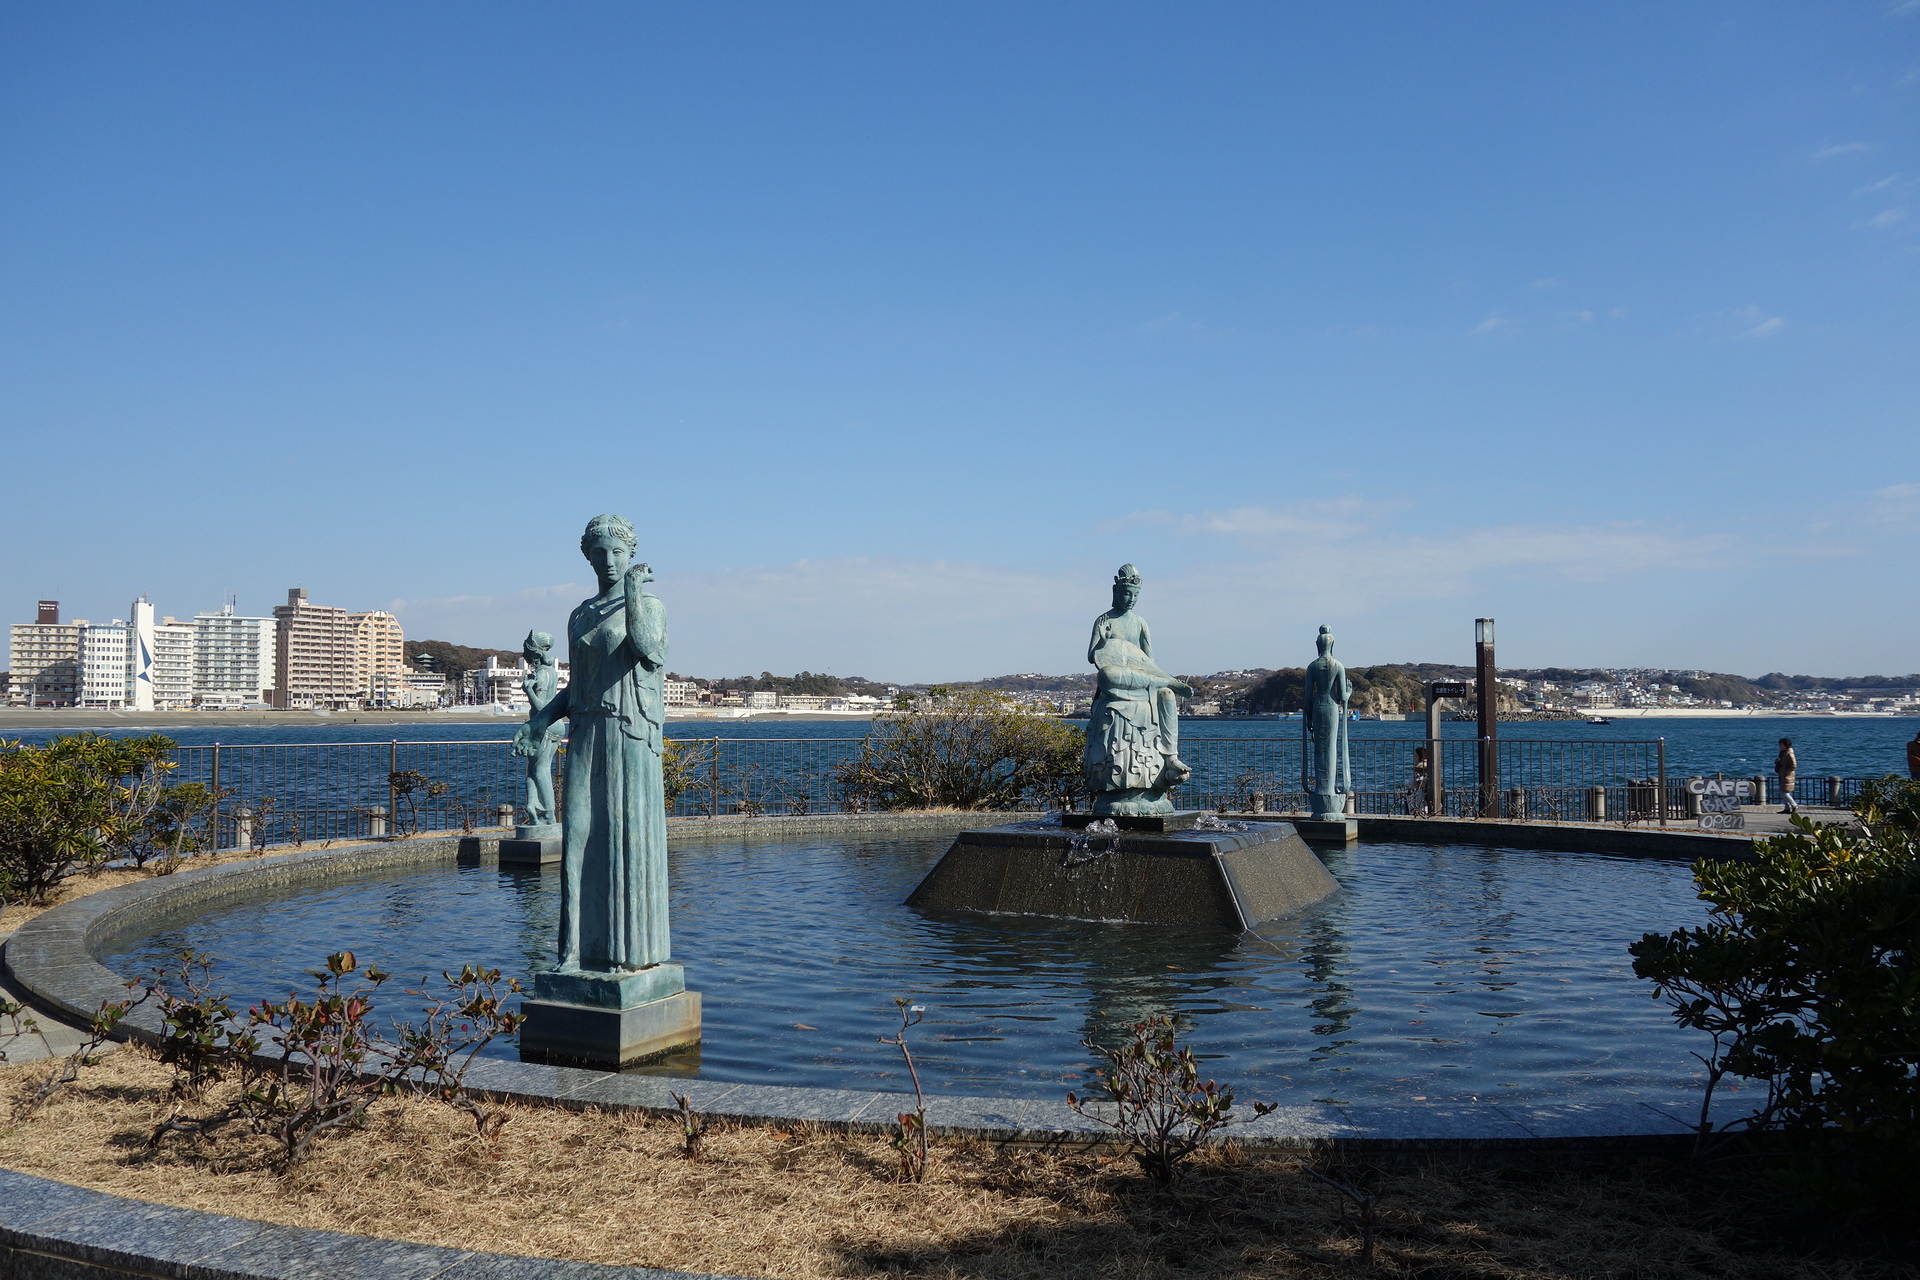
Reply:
x=1720, y=801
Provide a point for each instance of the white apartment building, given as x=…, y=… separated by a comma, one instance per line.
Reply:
x=682, y=693
x=172, y=664
x=232, y=659
x=106, y=663
x=760, y=700
x=45, y=660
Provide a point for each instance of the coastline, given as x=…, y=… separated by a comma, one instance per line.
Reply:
x=67, y=718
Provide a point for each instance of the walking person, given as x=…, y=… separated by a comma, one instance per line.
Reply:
x=1785, y=765
x=1913, y=757
x=1416, y=792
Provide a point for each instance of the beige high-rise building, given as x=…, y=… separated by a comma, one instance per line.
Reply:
x=379, y=657
x=327, y=658
x=45, y=660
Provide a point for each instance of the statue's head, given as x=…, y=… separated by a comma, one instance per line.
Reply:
x=1126, y=588
x=536, y=647
x=609, y=544
x=1325, y=642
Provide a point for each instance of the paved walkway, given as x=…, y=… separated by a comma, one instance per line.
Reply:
x=1768, y=820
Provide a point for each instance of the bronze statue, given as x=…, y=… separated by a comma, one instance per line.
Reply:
x=1133, y=736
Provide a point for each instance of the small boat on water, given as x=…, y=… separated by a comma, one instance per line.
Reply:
x=1598, y=720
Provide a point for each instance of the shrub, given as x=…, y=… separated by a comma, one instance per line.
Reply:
x=75, y=804
x=1160, y=1105
x=1807, y=978
x=308, y=1068
x=967, y=749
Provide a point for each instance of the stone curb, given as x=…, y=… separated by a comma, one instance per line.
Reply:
x=54, y=1231
x=51, y=957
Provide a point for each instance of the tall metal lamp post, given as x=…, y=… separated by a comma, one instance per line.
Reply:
x=1489, y=718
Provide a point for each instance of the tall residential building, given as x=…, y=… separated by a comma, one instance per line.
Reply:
x=140, y=656
x=233, y=658
x=313, y=654
x=45, y=660
x=106, y=664
x=172, y=664
x=379, y=657
x=325, y=657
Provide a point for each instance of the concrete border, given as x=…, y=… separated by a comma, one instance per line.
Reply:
x=50, y=1229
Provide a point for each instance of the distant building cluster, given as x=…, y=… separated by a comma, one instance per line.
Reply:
x=699, y=693
x=304, y=657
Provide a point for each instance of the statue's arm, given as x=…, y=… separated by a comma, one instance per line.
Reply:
x=1146, y=639
x=1093, y=644
x=646, y=625
x=528, y=737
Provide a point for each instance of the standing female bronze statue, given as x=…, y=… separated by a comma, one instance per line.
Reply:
x=613, y=905
x=1133, y=735
x=1325, y=774
x=540, y=684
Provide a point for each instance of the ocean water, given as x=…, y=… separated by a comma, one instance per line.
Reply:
x=1828, y=746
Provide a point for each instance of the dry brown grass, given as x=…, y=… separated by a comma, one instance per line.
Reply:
x=613, y=1188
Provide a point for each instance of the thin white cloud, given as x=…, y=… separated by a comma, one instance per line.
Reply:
x=1758, y=323
x=1887, y=217
x=1843, y=149
x=1495, y=324
x=1881, y=185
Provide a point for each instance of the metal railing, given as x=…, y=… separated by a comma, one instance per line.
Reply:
x=280, y=793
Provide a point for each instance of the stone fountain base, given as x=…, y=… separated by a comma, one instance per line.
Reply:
x=1231, y=878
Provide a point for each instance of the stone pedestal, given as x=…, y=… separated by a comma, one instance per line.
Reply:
x=1232, y=879
x=533, y=846
x=1334, y=831
x=585, y=1018
x=1178, y=820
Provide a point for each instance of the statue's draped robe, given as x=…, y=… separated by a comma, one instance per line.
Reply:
x=1324, y=708
x=613, y=909
x=1129, y=741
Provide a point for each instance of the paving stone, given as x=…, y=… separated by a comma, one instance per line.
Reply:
x=1450, y=1123
x=531, y=1081
x=1588, y=1119
x=616, y=1090
x=117, y=1232
x=287, y=1253
x=999, y=1117
x=760, y=1102
x=1290, y=1123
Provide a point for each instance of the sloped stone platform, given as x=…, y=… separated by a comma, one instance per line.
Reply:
x=1229, y=879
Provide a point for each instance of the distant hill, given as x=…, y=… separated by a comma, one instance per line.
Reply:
x=455, y=660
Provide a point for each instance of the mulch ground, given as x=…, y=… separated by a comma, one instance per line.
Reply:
x=615, y=1188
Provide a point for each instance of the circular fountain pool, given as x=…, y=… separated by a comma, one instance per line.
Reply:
x=1439, y=973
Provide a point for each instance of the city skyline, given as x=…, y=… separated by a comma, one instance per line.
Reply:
x=894, y=331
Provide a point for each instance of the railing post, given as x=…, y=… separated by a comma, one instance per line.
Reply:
x=377, y=821
x=243, y=828
x=216, y=797
x=1760, y=789
x=1596, y=804
x=503, y=814
x=1660, y=788
x=1517, y=803
x=1833, y=792
x=393, y=767
x=713, y=782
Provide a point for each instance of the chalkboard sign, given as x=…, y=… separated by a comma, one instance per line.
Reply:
x=1720, y=801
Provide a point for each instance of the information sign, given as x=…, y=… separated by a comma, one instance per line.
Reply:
x=1450, y=689
x=1720, y=801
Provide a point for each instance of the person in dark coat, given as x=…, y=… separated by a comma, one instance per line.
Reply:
x=1785, y=765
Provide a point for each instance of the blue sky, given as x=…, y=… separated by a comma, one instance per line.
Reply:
x=895, y=328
